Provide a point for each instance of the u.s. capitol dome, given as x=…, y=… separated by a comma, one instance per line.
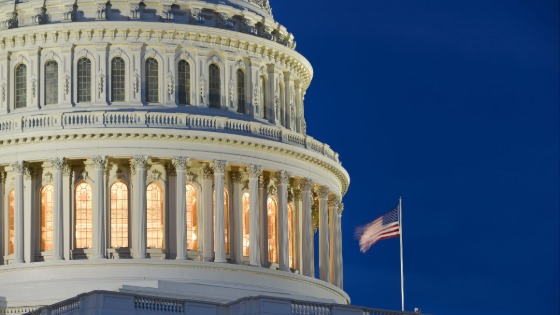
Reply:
x=160, y=148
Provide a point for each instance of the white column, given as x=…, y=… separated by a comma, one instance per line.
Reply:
x=237, y=179
x=181, y=164
x=58, y=237
x=323, y=194
x=67, y=211
x=263, y=196
x=339, y=261
x=207, y=215
x=283, y=232
x=139, y=235
x=297, y=226
x=18, y=168
x=307, y=231
x=219, y=168
x=29, y=222
x=254, y=172
x=333, y=237
x=99, y=207
x=2, y=216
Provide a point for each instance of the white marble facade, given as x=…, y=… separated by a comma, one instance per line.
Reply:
x=119, y=123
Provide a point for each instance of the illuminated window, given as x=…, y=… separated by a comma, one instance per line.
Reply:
x=11, y=201
x=47, y=211
x=84, y=80
x=117, y=80
x=272, y=210
x=245, y=224
x=20, y=86
x=154, y=217
x=119, y=215
x=214, y=85
x=152, y=81
x=226, y=221
x=240, y=91
x=184, y=82
x=192, y=226
x=51, y=82
x=291, y=239
x=262, y=87
x=84, y=216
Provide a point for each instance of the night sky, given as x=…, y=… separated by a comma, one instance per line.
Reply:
x=455, y=106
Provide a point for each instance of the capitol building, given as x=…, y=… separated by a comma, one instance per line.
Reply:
x=154, y=159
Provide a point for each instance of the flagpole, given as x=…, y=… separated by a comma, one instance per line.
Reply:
x=402, y=273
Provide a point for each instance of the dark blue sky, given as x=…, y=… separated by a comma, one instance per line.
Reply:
x=454, y=105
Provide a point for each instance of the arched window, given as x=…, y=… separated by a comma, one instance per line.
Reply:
x=119, y=215
x=184, y=82
x=262, y=87
x=47, y=212
x=118, y=80
x=226, y=220
x=246, y=238
x=51, y=82
x=240, y=91
x=192, y=225
x=83, y=216
x=282, y=106
x=11, y=231
x=214, y=86
x=291, y=235
x=84, y=80
x=152, y=81
x=272, y=210
x=154, y=216
x=20, y=86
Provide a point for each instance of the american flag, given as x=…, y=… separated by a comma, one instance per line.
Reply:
x=384, y=227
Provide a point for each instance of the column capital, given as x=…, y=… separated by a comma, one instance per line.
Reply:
x=181, y=163
x=219, y=166
x=18, y=167
x=139, y=161
x=305, y=184
x=322, y=192
x=340, y=208
x=334, y=200
x=282, y=177
x=58, y=163
x=263, y=181
x=297, y=194
x=99, y=162
x=254, y=170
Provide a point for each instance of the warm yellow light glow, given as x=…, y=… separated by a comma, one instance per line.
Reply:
x=11, y=201
x=119, y=215
x=47, y=209
x=84, y=216
x=192, y=226
x=154, y=216
x=272, y=229
x=245, y=224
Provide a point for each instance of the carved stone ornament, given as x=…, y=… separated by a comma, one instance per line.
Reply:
x=58, y=164
x=282, y=177
x=66, y=85
x=47, y=178
x=3, y=177
x=207, y=173
x=254, y=171
x=138, y=162
x=305, y=184
x=236, y=177
x=69, y=12
x=297, y=194
x=154, y=176
x=33, y=87
x=3, y=91
x=170, y=86
x=263, y=182
x=333, y=200
x=136, y=83
x=18, y=167
x=11, y=20
x=181, y=163
x=190, y=177
x=263, y=4
x=202, y=82
x=340, y=208
x=232, y=93
x=135, y=11
x=39, y=16
x=256, y=98
x=100, y=84
x=272, y=190
x=249, y=27
x=99, y=162
x=219, y=166
x=101, y=11
x=196, y=16
x=224, y=21
x=323, y=192
x=167, y=12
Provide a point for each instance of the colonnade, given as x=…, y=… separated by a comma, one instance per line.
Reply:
x=277, y=212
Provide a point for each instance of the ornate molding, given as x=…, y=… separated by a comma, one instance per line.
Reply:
x=207, y=172
x=322, y=192
x=237, y=177
x=181, y=163
x=263, y=182
x=219, y=166
x=334, y=200
x=282, y=177
x=138, y=162
x=305, y=184
x=58, y=164
x=272, y=191
x=99, y=162
x=254, y=171
x=18, y=167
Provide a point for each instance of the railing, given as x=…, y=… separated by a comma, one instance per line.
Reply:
x=310, y=309
x=372, y=311
x=159, y=305
x=101, y=119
